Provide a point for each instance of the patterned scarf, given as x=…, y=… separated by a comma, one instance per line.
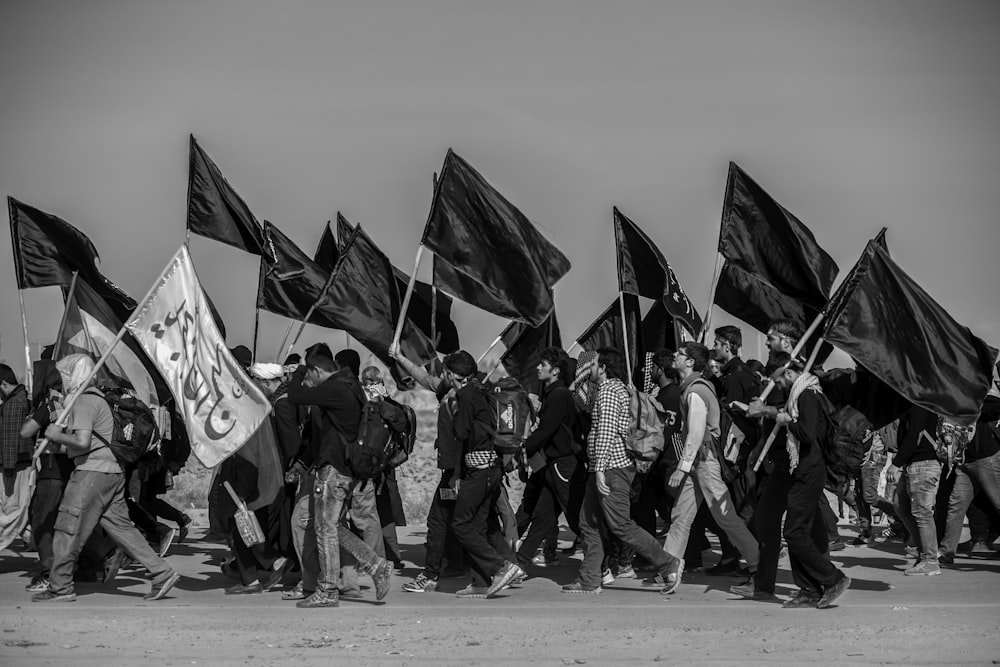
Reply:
x=805, y=381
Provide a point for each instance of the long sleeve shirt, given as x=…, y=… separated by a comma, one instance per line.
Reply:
x=13, y=411
x=336, y=417
x=606, y=444
x=555, y=423
x=472, y=426
x=810, y=427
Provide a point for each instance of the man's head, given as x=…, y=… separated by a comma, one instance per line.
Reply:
x=242, y=355
x=372, y=383
x=319, y=364
x=554, y=366
x=459, y=368
x=786, y=371
x=8, y=381
x=267, y=376
x=783, y=335
x=757, y=368
x=76, y=370
x=610, y=365
x=690, y=358
x=663, y=367
x=349, y=359
x=728, y=342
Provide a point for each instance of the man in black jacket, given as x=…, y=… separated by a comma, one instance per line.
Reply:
x=800, y=475
x=336, y=398
x=553, y=439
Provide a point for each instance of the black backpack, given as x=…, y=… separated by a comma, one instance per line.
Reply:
x=511, y=414
x=378, y=448
x=135, y=432
x=851, y=436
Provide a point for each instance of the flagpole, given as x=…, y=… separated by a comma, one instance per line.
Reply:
x=62, y=322
x=434, y=293
x=256, y=315
x=64, y=415
x=628, y=358
x=312, y=309
x=495, y=342
x=27, y=347
x=284, y=340
x=406, y=298
x=716, y=274
x=572, y=347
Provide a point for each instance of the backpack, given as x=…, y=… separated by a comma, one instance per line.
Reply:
x=135, y=432
x=951, y=440
x=645, y=440
x=511, y=414
x=378, y=448
x=850, y=435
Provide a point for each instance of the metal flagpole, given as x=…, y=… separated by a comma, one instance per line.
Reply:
x=628, y=358
x=27, y=347
x=719, y=261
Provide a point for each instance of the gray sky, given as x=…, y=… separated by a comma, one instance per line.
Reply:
x=854, y=115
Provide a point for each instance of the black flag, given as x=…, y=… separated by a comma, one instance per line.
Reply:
x=643, y=271
x=895, y=330
x=328, y=250
x=478, y=233
x=774, y=268
x=606, y=330
x=423, y=302
x=521, y=358
x=292, y=283
x=215, y=210
x=47, y=250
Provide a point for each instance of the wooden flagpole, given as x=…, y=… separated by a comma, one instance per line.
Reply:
x=62, y=322
x=628, y=358
x=716, y=274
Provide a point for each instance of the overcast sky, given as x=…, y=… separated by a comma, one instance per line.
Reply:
x=854, y=115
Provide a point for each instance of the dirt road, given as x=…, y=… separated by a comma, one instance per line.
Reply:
x=884, y=618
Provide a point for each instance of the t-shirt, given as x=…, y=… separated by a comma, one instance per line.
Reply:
x=91, y=413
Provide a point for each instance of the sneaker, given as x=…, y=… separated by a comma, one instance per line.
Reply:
x=295, y=594
x=656, y=581
x=980, y=548
x=273, y=577
x=545, y=559
x=838, y=545
x=320, y=599
x=507, y=573
x=749, y=591
x=626, y=572
x=890, y=533
x=607, y=578
x=802, y=600
x=38, y=584
x=831, y=594
x=673, y=577
x=730, y=566
x=381, y=576
x=422, y=584
x=946, y=559
x=166, y=542
x=158, y=590
x=859, y=541
x=518, y=579
x=472, y=592
x=924, y=568
x=912, y=552
x=251, y=589
x=49, y=596
x=111, y=566
x=577, y=587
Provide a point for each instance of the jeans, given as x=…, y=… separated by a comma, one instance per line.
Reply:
x=330, y=490
x=917, y=492
x=610, y=515
x=477, y=525
x=304, y=534
x=982, y=476
x=93, y=498
x=364, y=516
x=704, y=483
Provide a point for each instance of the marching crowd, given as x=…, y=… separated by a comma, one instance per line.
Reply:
x=704, y=442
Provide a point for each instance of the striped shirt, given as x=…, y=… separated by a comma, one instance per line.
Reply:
x=606, y=444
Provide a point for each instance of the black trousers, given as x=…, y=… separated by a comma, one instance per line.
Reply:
x=441, y=541
x=251, y=561
x=799, y=493
x=477, y=525
x=563, y=482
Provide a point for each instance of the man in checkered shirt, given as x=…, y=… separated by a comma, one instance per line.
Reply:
x=609, y=479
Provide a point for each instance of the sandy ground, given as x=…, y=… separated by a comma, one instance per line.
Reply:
x=884, y=618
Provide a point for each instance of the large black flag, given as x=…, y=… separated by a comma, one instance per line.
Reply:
x=47, y=250
x=328, y=250
x=215, y=210
x=606, y=330
x=478, y=233
x=365, y=298
x=774, y=268
x=658, y=331
x=423, y=302
x=521, y=358
x=892, y=327
x=292, y=283
x=643, y=271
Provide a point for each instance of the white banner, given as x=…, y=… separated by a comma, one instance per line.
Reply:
x=222, y=407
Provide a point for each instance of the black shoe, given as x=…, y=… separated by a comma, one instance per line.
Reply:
x=831, y=594
x=249, y=589
x=724, y=567
x=838, y=545
x=801, y=601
